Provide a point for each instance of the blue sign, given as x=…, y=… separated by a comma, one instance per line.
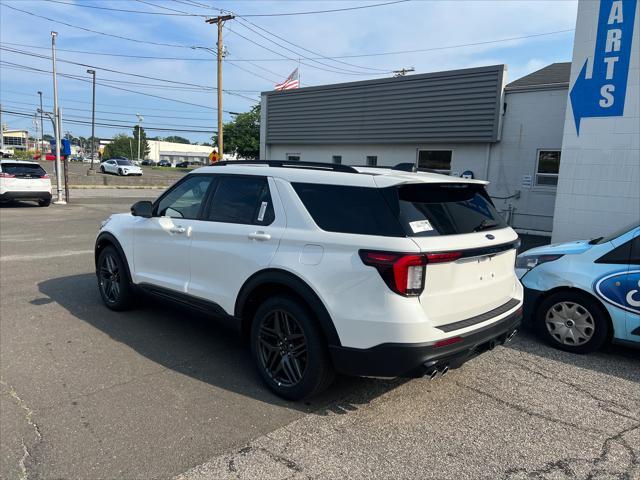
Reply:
x=601, y=92
x=621, y=289
x=65, y=150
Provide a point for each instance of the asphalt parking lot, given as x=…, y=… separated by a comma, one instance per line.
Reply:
x=161, y=392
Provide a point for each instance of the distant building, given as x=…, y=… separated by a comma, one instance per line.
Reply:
x=456, y=122
x=178, y=152
x=15, y=139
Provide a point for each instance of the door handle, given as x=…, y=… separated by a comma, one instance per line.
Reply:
x=260, y=236
x=177, y=230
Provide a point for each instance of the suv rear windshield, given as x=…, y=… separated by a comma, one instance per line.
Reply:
x=444, y=209
x=414, y=210
x=23, y=170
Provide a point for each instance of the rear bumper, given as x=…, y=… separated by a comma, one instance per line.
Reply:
x=10, y=195
x=413, y=360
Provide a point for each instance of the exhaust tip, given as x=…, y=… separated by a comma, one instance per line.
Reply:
x=431, y=373
x=444, y=370
x=511, y=335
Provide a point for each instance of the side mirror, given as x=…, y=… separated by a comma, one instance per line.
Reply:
x=143, y=208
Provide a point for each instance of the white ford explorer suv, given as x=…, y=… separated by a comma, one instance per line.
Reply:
x=325, y=268
x=21, y=180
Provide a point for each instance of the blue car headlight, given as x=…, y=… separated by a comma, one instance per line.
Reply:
x=531, y=261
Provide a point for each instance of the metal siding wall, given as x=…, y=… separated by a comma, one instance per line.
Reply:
x=454, y=106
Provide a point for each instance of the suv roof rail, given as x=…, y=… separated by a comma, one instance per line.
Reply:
x=336, y=167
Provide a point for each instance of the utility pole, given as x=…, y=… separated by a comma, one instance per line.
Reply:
x=139, y=132
x=56, y=116
x=403, y=71
x=93, y=122
x=42, y=156
x=219, y=21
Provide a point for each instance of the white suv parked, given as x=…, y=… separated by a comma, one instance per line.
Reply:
x=325, y=268
x=21, y=180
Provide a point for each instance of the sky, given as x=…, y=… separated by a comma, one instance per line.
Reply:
x=263, y=47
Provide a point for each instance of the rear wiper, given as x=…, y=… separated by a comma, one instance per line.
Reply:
x=485, y=224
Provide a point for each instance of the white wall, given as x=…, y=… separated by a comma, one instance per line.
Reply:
x=156, y=148
x=533, y=121
x=599, y=187
x=464, y=157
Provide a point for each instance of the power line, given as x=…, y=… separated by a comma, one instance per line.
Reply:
x=97, y=32
x=125, y=114
x=109, y=125
x=147, y=77
x=283, y=59
x=335, y=69
x=125, y=10
x=311, y=51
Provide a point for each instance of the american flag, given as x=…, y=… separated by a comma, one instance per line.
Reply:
x=292, y=81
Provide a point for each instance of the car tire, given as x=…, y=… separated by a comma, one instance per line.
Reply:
x=113, y=280
x=289, y=349
x=102, y=170
x=572, y=321
x=120, y=172
x=44, y=203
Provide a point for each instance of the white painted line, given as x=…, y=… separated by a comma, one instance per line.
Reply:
x=43, y=256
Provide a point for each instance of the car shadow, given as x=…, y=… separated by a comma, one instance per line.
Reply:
x=196, y=345
x=612, y=359
x=19, y=204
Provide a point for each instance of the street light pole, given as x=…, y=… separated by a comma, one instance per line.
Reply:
x=42, y=157
x=56, y=116
x=93, y=121
x=139, y=132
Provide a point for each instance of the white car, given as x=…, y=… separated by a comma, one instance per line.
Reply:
x=22, y=180
x=120, y=166
x=325, y=268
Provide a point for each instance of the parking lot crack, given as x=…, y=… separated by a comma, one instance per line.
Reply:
x=28, y=416
x=527, y=411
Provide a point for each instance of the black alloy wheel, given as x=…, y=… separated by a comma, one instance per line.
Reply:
x=283, y=348
x=289, y=348
x=113, y=280
x=110, y=278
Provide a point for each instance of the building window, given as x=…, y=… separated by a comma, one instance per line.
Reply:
x=438, y=160
x=372, y=160
x=293, y=157
x=548, y=167
x=336, y=159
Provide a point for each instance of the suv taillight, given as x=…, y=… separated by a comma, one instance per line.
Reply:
x=405, y=273
x=6, y=175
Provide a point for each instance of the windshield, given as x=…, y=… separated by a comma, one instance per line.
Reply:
x=444, y=209
x=123, y=162
x=614, y=235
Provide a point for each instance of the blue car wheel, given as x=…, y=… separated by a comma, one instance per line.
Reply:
x=572, y=321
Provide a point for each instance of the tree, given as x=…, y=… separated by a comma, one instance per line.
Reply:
x=120, y=146
x=47, y=138
x=242, y=134
x=144, y=145
x=177, y=139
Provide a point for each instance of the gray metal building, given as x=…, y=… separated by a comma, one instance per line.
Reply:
x=454, y=121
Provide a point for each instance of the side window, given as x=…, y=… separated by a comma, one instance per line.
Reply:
x=372, y=160
x=293, y=157
x=242, y=200
x=635, y=251
x=336, y=159
x=185, y=199
x=619, y=255
x=547, y=168
x=438, y=160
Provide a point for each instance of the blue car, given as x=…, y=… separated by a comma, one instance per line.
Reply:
x=580, y=295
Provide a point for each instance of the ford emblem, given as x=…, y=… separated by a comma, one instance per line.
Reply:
x=621, y=289
x=490, y=237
